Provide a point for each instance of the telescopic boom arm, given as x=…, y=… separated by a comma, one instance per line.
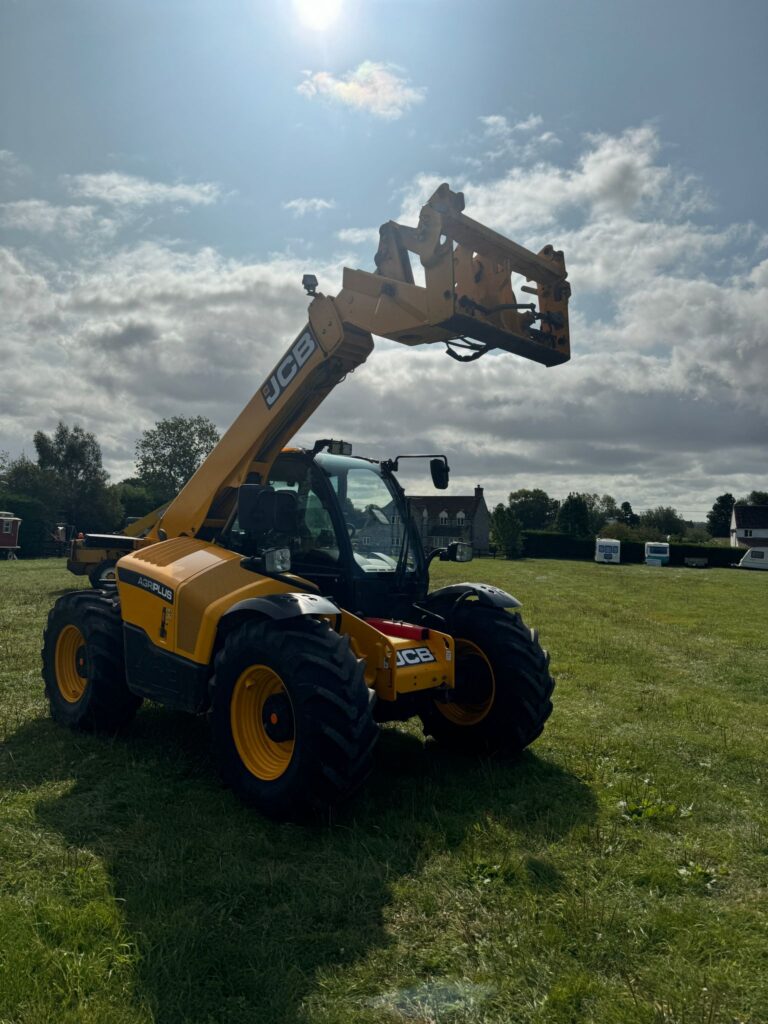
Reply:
x=467, y=302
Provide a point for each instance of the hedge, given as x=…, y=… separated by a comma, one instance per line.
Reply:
x=541, y=544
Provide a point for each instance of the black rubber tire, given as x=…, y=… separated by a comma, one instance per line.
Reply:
x=98, y=574
x=334, y=728
x=106, y=705
x=523, y=686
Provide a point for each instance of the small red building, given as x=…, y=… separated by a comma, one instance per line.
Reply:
x=9, y=534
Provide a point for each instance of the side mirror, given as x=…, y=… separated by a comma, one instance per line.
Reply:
x=256, y=508
x=458, y=551
x=440, y=472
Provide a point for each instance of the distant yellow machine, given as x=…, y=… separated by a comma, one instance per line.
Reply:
x=286, y=591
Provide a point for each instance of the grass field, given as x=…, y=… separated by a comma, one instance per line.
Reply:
x=616, y=873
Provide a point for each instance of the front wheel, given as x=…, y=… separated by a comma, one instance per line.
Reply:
x=83, y=663
x=291, y=721
x=503, y=685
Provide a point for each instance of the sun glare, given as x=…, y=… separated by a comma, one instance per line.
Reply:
x=317, y=14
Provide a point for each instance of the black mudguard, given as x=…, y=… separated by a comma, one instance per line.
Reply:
x=443, y=601
x=284, y=606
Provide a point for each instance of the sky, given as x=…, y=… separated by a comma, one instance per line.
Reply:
x=169, y=169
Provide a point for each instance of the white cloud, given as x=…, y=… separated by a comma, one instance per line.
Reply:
x=663, y=400
x=128, y=190
x=38, y=215
x=497, y=124
x=10, y=166
x=300, y=207
x=616, y=176
x=24, y=293
x=377, y=88
x=358, y=236
x=502, y=139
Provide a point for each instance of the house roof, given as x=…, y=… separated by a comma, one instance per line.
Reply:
x=452, y=504
x=751, y=517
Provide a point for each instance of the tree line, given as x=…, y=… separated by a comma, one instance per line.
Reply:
x=66, y=482
x=587, y=515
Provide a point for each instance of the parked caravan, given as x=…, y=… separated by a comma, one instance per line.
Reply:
x=656, y=552
x=9, y=535
x=607, y=550
x=755, y=558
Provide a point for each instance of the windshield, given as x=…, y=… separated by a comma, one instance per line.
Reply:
x=371, y=513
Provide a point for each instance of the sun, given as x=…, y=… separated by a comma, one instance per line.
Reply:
x=317, y=14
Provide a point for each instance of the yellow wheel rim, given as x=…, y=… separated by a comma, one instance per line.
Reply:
x=474, y=667
x=263, y=756
x=70, y=664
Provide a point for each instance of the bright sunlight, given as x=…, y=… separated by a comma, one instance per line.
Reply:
x=319, y=14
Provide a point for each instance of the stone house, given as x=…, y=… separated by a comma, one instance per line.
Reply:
x=440, y=519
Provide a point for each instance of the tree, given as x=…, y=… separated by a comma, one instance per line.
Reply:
x=757, y=498
x=73, y=480
x=506, y=531
x=168, y=454
x=534, y=508
x=135, y=498
x=600, y=509
x=719, y=516
x=627, y=516
x=665, y=520
x=573, y=516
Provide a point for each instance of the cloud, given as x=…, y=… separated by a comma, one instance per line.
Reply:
x=300, y=207
x=503, y=139
x=615, y=176
x=663, y=401
x=122, y=190
x=358, y=236
x=497, y=124
x=377, y=88
x=10, y=166
x=40, y=216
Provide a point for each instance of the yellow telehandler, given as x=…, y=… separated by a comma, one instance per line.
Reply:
x=285, y=592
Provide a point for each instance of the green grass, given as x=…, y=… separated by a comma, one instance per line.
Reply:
x=616, y=873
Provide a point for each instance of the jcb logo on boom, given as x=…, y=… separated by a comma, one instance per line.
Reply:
x=414, y=656
x=287, y=369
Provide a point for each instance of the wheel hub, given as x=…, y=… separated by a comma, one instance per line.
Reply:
x=277, y=717
x=80, y=663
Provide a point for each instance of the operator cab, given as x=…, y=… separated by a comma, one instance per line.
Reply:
x=345, y=522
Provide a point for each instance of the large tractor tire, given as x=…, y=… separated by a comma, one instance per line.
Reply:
x=503, y=685
x=292, y=727
x=83, y=663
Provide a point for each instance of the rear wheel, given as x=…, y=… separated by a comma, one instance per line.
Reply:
x=103, y=574
x=291, y=722
x=83, y=663
x=503, y=685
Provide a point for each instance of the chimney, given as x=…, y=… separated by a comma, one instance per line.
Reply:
x=478, y=492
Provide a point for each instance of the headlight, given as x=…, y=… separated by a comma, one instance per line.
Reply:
x=277, y=560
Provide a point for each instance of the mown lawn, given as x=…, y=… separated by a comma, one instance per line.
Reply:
x=618, y=872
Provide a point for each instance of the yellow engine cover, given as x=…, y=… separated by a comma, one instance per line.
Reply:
x=176, y=591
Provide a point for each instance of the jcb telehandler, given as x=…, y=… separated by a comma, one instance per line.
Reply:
x=285, y=592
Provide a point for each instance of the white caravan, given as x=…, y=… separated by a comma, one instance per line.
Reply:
x=755, y=558
x=656, y=552
x=607, y=550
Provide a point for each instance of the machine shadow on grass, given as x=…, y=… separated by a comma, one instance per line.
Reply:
x=234, y=915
